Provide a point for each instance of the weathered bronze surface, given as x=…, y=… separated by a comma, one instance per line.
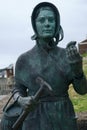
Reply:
x=59, y=67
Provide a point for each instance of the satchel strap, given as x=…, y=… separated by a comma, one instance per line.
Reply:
x=9, y=101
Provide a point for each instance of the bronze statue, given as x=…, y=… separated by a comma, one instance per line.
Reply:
x=58, y=67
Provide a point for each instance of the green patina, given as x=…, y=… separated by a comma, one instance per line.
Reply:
x=59, y=67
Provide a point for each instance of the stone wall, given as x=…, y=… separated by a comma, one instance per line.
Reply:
x=4, y=89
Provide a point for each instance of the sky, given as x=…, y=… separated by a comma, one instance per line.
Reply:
x=16, y=29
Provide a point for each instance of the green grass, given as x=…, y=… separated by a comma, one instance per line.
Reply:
x=80, y=104
x=84, y=55
x=85, y=68
x=79, y=101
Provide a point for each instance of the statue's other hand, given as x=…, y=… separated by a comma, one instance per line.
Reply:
x=25, y=102
x=74, y=58
x=72, y=52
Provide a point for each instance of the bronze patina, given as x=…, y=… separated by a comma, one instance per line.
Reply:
x=59, y=67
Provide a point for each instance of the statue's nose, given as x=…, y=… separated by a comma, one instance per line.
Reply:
x=47, y=22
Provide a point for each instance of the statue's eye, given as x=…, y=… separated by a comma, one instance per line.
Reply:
x=51, y=19
x=41, y=20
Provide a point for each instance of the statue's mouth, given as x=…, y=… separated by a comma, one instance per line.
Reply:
x=47, y=31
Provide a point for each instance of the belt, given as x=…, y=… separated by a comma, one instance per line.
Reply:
x=53, y=99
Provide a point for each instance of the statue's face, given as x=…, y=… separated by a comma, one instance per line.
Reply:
x=45, y=24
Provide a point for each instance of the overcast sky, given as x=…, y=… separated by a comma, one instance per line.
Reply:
x=16, y=29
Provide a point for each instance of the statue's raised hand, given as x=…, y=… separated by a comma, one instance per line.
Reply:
x=72, y=52
x=74, y=58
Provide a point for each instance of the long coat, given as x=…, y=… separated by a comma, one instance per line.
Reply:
x=52, y=112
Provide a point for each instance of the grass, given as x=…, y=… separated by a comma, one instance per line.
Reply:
x=85, y=67
x=84, y=55
x=79, y=101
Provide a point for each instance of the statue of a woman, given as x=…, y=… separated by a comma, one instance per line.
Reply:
x=59, y=67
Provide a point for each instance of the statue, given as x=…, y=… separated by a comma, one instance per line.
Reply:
x=58, y=67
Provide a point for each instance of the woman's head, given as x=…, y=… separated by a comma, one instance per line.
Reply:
x=46, y=17
x=45, y=23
